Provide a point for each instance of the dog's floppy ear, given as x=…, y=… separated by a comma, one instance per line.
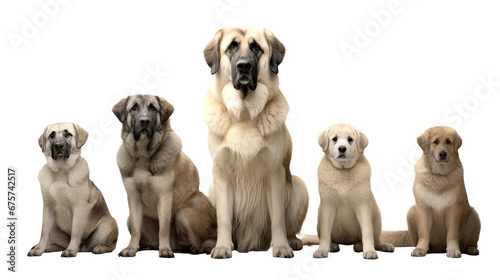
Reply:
x=81, y=136
x=323, y=140
x=166, y=109
x=361, y=141
x=120, y=109
x=424, y=142
x=42, y=140
x=212, y=52
x=457, y=143
x=276, y=51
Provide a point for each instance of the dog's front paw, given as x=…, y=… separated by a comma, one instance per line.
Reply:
x=370, y=255
x=128, y=252
x=320, y=253
x=282, y=252
x=166, y=253
x=419, y=252
x=68, y=253
x=221, y=252
x=35, y=252
x=453, y=253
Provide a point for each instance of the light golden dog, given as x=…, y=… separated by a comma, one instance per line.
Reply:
x=348, y=213
x=441, y=219
x=75, y=215
x=257, y=199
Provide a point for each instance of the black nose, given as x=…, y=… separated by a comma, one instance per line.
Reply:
x=342, y=149
x=58, y=145
x=243, y=65
x=144, y=121
x=442, y=154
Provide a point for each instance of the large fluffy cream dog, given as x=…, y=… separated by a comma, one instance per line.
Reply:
x=257, y=199
x=348, y=213
x=441, y=219
x=167, y=211
x=75, y=215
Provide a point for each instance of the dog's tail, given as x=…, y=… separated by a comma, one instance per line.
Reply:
x=400, y=238
x=308, y=239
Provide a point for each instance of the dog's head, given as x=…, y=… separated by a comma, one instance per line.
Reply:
x=143, y=115
x=440, y=145
x=244, y=56
x=343, y=144
x=60, y=141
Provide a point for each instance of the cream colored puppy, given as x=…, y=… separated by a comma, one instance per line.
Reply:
x=348, y=213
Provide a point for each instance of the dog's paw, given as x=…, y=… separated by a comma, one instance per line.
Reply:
x=472, y=251
x=194, y=250
x=370, y=255
x=128, y=252
x=206, y=247
x=385, y=247
x=453, y=253
x=101, y=249
x=358, y=247
x=419, y=252
x=221, y=252
x=320, y=253
x=166, y=253
x=35, y=252
x=282, y=252
x=295, y=244
x=334, y=247
x=68, y=253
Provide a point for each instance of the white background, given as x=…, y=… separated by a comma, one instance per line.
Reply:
x=418, y=70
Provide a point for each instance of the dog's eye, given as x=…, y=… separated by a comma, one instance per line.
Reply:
x=448, y=141
x=68, y=135
x=232, y=46
x=152, y=108
x=52, y=135
x=349, y=139
x=334, y=139
x=436, y=141
x=255, y=47
x=134, y=108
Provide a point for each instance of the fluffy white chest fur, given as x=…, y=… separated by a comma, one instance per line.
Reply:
x=57, y=191
x=344, y=186
x=438, y=201
x=247, y=141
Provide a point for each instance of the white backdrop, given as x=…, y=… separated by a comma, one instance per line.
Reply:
x=390, y=68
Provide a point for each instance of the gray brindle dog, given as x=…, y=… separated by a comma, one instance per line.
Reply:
x=167, y=211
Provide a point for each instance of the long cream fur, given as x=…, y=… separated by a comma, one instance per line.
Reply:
x=257, y=199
